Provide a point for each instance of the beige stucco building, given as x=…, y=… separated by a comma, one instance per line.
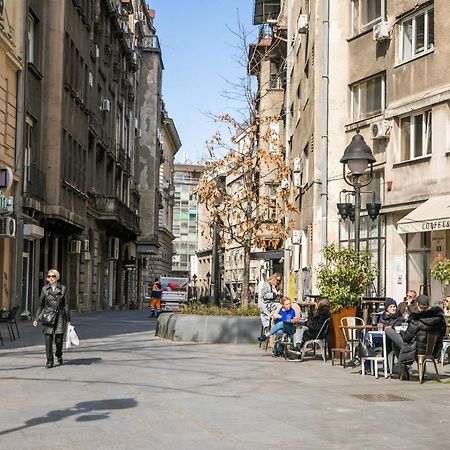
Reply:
x=377, y=68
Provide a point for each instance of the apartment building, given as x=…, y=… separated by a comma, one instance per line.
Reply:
x=376, y=68
x=91, y=122
x=11, y=65
x=185, y=217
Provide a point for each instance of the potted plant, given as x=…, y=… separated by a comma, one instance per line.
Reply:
x=441, y=272
x=343, y=278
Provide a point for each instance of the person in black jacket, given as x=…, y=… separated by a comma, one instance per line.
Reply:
x=420, y=322
x=314, y=325
x=53, y=299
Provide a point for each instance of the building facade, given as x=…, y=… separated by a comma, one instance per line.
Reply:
x=90, y=125
x=389, y=85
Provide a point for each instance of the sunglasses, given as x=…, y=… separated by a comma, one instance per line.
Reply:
x=51, y=276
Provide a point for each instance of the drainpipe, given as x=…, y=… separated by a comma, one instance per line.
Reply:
x=324, y=128
x=287, y=108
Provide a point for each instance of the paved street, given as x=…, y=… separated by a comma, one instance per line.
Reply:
x=124, y=388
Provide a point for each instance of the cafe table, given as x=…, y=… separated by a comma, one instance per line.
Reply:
x=360, y=328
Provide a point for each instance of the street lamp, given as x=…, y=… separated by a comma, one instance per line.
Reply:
x=194, y=279
x=358, y=156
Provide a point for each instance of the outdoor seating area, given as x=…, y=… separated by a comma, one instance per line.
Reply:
x=364, y=346
x=10, y=319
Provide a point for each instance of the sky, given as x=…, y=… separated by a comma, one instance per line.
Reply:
x=199, y=52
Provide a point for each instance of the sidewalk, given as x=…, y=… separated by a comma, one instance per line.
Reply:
x=125, y=388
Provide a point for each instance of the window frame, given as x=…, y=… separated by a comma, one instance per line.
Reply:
x=427, y=135
x=356, y=8
x=413, y=17
x=356, y=116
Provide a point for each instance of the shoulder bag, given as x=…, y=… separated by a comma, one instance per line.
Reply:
x=49, y=317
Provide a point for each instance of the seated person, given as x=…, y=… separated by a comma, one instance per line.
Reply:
x=421, y=321
x=314, y=325
x=408, y=305
x=390, y=318
x=284, y=312
x=446, y=306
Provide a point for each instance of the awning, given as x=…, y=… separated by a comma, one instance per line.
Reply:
x=434, y=214
x=267, y=255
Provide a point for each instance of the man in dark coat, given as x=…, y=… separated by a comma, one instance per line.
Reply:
x=421, y=321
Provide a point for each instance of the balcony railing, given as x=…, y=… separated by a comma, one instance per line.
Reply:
x=111, y=209
x=33, y=183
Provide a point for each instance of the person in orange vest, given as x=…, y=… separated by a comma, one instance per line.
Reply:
x=155, y=298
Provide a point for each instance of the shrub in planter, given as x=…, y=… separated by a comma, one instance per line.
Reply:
x=441, y=272
x=210, y=310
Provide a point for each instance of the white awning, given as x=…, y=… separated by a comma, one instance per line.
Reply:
x=434, y=214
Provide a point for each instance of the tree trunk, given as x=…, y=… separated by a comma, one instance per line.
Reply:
x=246, y=277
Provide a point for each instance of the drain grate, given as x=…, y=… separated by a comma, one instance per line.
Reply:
x=381, y=398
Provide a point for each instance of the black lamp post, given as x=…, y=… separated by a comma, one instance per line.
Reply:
x=208, y=279
x=194, y=280
x=358, y=156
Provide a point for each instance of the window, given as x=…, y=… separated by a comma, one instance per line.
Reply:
x=415, y=135
x=31, y=39
x=365, y=13
x=368, y=97
x=417, y=34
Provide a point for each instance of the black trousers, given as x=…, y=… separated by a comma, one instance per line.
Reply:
x=49, y=346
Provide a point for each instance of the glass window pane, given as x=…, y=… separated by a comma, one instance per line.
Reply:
x=428, y=130
x=430, y=44
x=407, y=39
x=371, y=10
x=405, y=132
x=418, y=135
x=420, y=33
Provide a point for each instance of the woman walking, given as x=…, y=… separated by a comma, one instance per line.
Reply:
x=54, y=314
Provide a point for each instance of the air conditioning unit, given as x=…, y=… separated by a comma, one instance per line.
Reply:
x=381, y=31
x=114, y=248
x=75, y=247
x=106, y=105
x=97, y=51
x=85, y=245
x=303, y=23
x=7, y=226
x=296, y=236
x=284, y=183
x=138, y=132
x=297, y=164
x=141, y=16
x=297, y=179
x=380, y=130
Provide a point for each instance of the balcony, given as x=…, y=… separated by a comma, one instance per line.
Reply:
x=34, y=183
x=115, y=214
x=265, y=10
x=151, y=43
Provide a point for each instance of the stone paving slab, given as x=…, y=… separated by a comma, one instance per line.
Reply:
x=124, y=388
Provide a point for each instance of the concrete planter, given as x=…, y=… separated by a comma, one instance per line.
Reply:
x=208, y=329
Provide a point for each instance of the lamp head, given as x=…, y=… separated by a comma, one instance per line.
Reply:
x=345, y=210
x=357, y=155
x=373, y=209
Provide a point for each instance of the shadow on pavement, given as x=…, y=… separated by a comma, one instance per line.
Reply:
x=82, y=410
x=82, y=361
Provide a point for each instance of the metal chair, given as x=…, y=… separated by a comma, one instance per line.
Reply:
x=10, y=320
x=445, y=350
x=320, y=340
x=432, y=338
x=351, y=336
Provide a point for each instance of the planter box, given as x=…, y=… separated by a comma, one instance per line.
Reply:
x=208, y=329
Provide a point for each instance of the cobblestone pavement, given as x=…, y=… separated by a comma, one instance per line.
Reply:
x=124, y=388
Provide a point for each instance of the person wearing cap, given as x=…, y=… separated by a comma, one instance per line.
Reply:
x=424, y=319
x=408, y=305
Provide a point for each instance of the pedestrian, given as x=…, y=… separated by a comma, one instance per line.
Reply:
x=54, y=314
x=408, y=305
x=155, y=302
x=269, y=298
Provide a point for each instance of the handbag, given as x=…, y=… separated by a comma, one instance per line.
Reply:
x=365, y=349
x=49, y=317
x=73, y=336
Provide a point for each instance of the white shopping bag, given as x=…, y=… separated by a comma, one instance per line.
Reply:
x=71, y=337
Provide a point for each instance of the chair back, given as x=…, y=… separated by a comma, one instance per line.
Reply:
x=323, y=329
x=12, y=313
x=432, y=338
x=351, y=335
